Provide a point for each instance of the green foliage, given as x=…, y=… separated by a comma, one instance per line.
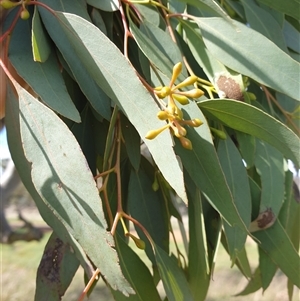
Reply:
x=100, y=73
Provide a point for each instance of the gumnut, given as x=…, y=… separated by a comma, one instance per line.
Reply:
x=24, y=14
x=7, y=4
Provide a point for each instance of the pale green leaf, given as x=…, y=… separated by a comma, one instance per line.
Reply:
x=54, y=155
x=110, y=69
x=40, y=42
x=248, y=52
x=248, y=119
x=263, y=22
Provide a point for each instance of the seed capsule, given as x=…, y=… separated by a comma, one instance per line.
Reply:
x=138, y=242
x=7, y=4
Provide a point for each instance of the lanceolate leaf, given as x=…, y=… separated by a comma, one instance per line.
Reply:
x=276, y=243
x=269, y=164
x=203, y=165
x=172, y=276
x=248, y=119
x=56, y=270
x=286, y=7
x=247, y=51
x=109, y=68
x=237, y=179
x=54, y=155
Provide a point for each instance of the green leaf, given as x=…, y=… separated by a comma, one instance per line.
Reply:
x=137, y=273
x=237, y=179
x=44, y=78
x=132, y=142
x=40, y=42
x=54, y=155
x=269, y=165
x=145, y=205
x=253, y=285
x=263, y=22
x=248, y=119
x=248, y=52
x=288, y=7
x=199, y=269
x=56, y=270
x=119, y=81
x=174, y=281
x=267, y=268
x=292, y=36
x=246, y=145
x=202, y=165
x=275, y=242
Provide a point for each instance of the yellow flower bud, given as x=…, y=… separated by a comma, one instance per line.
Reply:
x=181, y=99
x=179, y=131
x=164, y=92
x=7, y=4
x=24, y=14
x=187, y=82
x=178, y=113
x=152, y=134
x=186, y=143
x=197, y=122
x=162, y=115
x=195, y=93
x=176, y=71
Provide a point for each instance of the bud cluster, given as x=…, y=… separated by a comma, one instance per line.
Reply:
x=173, y=114
x=7, y=4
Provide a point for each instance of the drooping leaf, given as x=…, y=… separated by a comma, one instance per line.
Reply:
x=54, y=155
x=144, y=205
x=202, y=165
x=56, y=270
x=137, y=273
x=44, y=78
x=173, y=278
x=199, y=270
x=248, y=119
x=269, y=164
x=253, y=285
x=40, y=42
x=98, y=99
x=247, y=52
x=292, y=36
x=24, y=170
x=120, y=82
x=246, y=145
x=276, y=243
x=267, y=269
x=237, y=179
